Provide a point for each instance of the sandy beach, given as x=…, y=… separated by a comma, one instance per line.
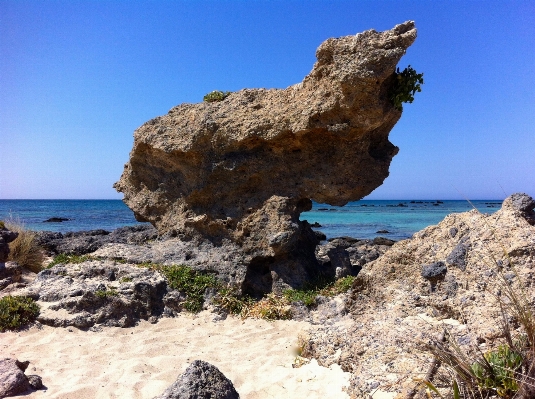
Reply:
x=141, y=362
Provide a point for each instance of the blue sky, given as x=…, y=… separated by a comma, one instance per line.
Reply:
x=78, y=77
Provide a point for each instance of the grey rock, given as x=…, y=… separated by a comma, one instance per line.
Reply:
x=6, y=236
x=457, y=257
x=201, y=380
x=434, y=270
x=13, y=381
x=35, y=381
x=84, y=242
x=383, y=241
x=522, y=203
x=82, y=295
x=453, y=232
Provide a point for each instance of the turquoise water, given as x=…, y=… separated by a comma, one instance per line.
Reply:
x=360, y=219
x=363, y=219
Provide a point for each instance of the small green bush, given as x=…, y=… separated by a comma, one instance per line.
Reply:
x=106, y=293
x=64, y=259
x=2, y=224
x=500, y=370
x=125, y=280
x=189, y=281
x=216, y=95
x=322, y=287
x=17, y=311
x=234, y=303
x=406, y=84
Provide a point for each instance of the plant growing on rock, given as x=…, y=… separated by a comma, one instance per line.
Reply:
x=216, y=95
x=64, y=259
x=17, y=311
x=406, y=84
x=191, y=282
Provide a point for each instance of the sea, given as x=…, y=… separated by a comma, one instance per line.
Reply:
x=394, y=219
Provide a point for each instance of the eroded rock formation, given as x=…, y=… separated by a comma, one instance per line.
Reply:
x=240, y=171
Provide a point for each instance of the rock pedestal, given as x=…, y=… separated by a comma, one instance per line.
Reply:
x=240, y=171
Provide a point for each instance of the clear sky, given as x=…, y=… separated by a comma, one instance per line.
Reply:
x=78, y=77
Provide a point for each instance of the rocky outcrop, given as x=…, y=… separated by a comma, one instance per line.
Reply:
x=445, y=276
x=201, y=380
x=100, y=292
x=240, y=171
x=13, y=381
x=6, y=236
x=84, y=242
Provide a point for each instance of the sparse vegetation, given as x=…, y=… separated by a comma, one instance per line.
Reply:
x=17, y=311
x=406, y=84
x=506, y=370
x=2, y=224
x=189, y=281
x=65, y=259
x=125, y=280
x=216, y=95
x=106, y=293
x=327, y=288
x=24, y=249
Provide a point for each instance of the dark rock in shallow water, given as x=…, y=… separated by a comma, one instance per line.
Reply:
x=315, y=224
x=383, y=241
x=382, y=232
x=56, y=220
x=201, y=380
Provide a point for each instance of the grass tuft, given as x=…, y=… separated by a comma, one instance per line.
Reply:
x=24, y=249
x=17, y=311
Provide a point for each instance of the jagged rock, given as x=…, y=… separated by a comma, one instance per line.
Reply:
x=393, y=310
x=6, y=236
x=13, y=381
x=240, y=171
x=201, y=380
x=100, y=292
x=84, y=242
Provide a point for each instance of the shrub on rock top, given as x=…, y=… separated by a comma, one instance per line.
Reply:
x=216, y=95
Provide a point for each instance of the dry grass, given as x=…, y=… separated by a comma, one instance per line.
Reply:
x=24, y=250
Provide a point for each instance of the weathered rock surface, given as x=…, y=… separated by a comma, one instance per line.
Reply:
x=13, y=381
x=100, y=292
x=84, y=242
x=11, y=273
x=6, y=236
x=239, y=172
x=445, y=276
x=201, y=380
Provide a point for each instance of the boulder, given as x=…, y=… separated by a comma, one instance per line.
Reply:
x=100, y=292
x=201, y=380
x=13, y=381
x=239, y=172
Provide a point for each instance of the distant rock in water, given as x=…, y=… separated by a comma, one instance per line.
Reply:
x=56, y=220
x=238, y=172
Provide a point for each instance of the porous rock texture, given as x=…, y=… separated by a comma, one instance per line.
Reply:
x=239, y=172
x=201, y=380
x=446, y=276
x=13, y=381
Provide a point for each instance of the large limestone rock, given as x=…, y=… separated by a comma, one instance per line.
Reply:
x=240, y=171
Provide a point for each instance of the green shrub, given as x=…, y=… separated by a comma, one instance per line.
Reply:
x=230, y=300
x=499, y=371
x=324, y=287
x=189, y=281
x=216, y=95
x=106, y=293
x=17, y=311
x=125, y=280
x=406, y=84
x=2, y=224
x=64, y=259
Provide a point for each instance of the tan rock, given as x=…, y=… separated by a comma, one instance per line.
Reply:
x=243, y=169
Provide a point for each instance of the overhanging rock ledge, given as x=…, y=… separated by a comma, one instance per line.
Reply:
x=236, y=174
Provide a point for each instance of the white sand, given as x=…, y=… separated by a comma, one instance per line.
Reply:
x=141, y=362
